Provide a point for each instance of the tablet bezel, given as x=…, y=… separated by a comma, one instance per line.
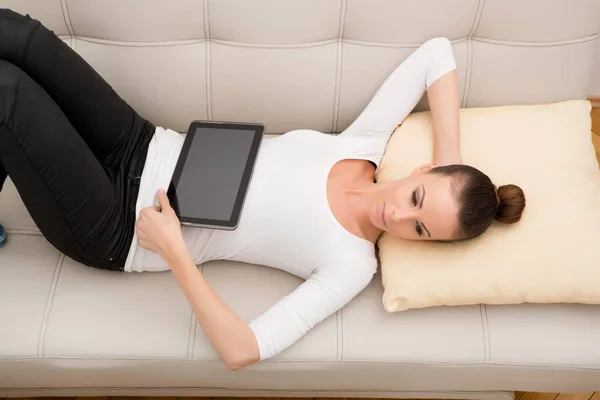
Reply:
x=233, y=222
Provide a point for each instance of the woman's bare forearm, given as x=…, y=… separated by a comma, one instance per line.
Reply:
x=230, y=336
x=444, y=102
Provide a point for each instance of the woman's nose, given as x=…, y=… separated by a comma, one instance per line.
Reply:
x=398, y=215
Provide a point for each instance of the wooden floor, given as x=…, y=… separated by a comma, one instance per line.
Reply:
x=596, y=131
x=556, y=396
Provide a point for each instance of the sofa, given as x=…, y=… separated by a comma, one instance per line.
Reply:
x=70, y=330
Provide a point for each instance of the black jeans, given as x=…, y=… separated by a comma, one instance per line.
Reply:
x=73, y=148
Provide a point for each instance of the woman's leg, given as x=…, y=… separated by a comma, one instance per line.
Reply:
x=112, y=131
x=63, y=185
x=104, y=120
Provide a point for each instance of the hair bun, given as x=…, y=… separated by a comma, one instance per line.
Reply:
x=511, y=203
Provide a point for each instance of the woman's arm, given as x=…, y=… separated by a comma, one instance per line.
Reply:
x=230, y=336
x=444, y=103
x=159, y=230
x=431, y=62
x=283, y=324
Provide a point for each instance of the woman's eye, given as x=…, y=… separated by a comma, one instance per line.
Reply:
x=418, y=229
x=414, y=198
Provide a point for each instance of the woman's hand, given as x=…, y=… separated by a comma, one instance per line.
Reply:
x=159, y=229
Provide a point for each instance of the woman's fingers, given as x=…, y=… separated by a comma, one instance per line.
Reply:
x=163, y=200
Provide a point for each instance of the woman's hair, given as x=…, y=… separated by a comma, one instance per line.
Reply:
x=480, y=202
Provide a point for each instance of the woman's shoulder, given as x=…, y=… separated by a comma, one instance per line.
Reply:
x=357, y=258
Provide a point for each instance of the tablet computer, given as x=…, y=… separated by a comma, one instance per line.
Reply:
x=213, y=173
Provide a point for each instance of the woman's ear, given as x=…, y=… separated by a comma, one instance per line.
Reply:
x=422, y=169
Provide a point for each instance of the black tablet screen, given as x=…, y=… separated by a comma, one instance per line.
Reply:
x=210, y=181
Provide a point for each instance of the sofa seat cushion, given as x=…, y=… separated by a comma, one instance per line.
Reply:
x=57, y=308
x=65, y=325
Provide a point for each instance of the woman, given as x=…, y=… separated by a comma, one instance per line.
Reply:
x=88, y=167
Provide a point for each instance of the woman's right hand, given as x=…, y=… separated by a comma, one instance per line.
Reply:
x=159, y=229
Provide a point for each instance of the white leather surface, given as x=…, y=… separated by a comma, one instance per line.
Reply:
x=436, y=335
x=179, y=99
x=125, y=21
x=294, y=64
x=27, y=270
x=595, y=84
x=510, y=53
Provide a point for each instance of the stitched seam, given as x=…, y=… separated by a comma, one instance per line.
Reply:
x=140, y=44
x=69, y=17
x=401, y=45
x=485, y=350
x=68, y=25
x=557, y=43
x=331, y=41
x=275, y=46
x=26, y=49
x=49, y=303
x=194, y=326
x=328, y=361
x=338, y=73
x=340, y=335
x=11, y=113
x=208, y=50
x=467, y=88
x=477, y=19
x=485, y=331
x=488, y=336
x=190, y=350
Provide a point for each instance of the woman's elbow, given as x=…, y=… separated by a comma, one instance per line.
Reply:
x=237, y=363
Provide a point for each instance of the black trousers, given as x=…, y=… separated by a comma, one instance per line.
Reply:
x=73, y=148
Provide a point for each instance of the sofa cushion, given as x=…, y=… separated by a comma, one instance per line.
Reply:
x=436, y=335
x=550, y=256
x=28, y=265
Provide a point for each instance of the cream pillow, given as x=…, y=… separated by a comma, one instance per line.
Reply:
x=551, y=256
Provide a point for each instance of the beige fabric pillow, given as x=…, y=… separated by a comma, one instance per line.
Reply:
x=551, y=256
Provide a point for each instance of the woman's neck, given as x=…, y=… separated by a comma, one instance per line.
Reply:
x=360, y=201
x=352, y=194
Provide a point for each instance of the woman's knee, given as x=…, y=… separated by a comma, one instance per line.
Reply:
x=10, y=78
x=16, y=30
x=10, y=75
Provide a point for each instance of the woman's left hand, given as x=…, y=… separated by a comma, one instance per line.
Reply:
x=159, y=229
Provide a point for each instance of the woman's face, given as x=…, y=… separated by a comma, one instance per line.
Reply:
x=421, y=206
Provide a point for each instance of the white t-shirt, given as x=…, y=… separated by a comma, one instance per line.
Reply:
x=286, y=222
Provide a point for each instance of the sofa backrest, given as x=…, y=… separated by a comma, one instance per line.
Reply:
x=315, y=64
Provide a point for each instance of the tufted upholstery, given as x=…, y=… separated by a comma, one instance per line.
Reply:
x=232, y=60
x=70, y=330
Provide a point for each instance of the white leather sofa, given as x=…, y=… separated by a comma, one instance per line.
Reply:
x=68, y=330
